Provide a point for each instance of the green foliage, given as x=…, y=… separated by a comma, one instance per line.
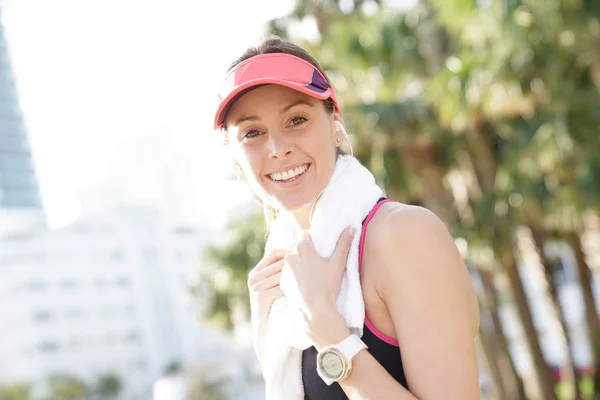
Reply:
x=15, y=391
x=66, y=387
x=206, y=383
x=225, y=270
x=108, y=386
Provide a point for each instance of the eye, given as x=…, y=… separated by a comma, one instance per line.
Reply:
x=250, y=134
x=297, y=121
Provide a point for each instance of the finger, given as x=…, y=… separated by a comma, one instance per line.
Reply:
x=305, y=242
x=274, y=293
x=268, y=283
x=343, y=245
x=305, y=236
x=290, y=259
x=255, y=277
x=270, y=257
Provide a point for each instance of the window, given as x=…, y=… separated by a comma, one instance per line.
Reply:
x=75, y=313
x=36, y=286
x=48, y=346
x=107, y=310
x=11, y=126
x=21, y=197
x=68, y=284
x=79, y=341
x=13, y=143
x=140, y=365
x=42, y=316
x=133, y=337
x=15, y=162
x=99, y=283
x=123, y=282
x=9, y=107
x=17, y=179
x=129, y=310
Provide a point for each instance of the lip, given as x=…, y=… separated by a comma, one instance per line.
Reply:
x=296, y=181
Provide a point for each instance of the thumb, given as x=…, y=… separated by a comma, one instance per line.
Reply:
x=340, y=254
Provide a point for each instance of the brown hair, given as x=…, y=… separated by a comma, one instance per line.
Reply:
x=275, y=44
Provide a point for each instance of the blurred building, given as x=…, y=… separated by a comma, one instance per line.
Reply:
x=153, y=170
x=20, y=204
x=105, y=295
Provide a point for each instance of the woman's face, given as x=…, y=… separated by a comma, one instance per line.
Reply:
x=285, y=143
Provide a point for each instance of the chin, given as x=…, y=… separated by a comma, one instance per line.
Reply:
x=292, y=206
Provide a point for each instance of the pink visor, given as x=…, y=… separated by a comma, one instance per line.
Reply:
x=273, y=68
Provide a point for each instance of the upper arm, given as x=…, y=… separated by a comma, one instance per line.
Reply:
x=431, y=301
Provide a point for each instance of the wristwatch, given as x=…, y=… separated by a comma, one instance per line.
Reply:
x=334, y=363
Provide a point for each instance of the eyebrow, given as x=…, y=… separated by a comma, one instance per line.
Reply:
x=283, y=111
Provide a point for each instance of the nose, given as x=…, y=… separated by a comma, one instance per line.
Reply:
x=279, y=146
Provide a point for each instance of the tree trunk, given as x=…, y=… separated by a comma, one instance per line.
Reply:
x=591, y=313
x=568, y=369
x=512, y=383
x=421, y=159
x=542, y=372
x=595, y=68
x=484, y=160
x=486, y=342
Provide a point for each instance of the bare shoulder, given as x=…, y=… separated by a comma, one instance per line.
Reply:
x=415, y=253
x=399, y=228
x=395, y=221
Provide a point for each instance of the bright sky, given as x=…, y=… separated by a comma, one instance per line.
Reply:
x=98, y=79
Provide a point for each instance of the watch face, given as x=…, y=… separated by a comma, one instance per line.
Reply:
x=332, y=365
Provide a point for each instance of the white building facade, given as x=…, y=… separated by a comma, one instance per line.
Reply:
x=106, y=295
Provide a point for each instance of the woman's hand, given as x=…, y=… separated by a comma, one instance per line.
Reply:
x=318, y=282
x=263, y=285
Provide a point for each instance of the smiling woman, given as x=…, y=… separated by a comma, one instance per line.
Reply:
x=286, y=147
x=339, y=311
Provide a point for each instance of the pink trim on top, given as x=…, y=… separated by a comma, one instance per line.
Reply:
x=361, y=244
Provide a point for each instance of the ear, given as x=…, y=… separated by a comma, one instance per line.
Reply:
x=337, y=125
x=337, y=117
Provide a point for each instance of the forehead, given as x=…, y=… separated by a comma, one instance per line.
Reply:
x=266, y=99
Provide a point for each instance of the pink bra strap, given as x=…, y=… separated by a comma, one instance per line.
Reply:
x=361, y=244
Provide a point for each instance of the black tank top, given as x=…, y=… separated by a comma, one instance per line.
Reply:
x=385, y=350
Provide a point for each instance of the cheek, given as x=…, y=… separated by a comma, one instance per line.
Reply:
x=251, y=165
x=325, y=150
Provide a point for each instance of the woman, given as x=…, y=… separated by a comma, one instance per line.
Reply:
x=283, y=125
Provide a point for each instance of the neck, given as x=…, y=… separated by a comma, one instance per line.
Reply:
x=302, y=217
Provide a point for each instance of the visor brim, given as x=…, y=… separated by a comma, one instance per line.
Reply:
x=240, y=90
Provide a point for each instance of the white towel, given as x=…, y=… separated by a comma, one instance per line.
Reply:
x=349, y=197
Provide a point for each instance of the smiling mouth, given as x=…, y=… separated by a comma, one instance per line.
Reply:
x=289, y=175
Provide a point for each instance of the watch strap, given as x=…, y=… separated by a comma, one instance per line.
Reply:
x=350, y=346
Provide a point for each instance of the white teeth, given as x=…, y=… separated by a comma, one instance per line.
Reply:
x=287, y=175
